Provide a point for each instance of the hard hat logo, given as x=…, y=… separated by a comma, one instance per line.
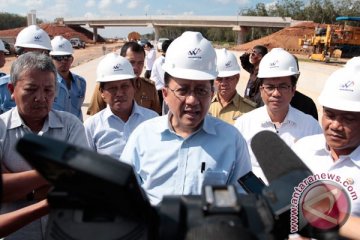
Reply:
x=118, y=67
x=228, y=64
x=274, y=64
x=348, y=86
x=194, y=53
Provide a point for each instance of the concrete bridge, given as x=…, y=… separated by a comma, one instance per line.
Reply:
x=240, y=24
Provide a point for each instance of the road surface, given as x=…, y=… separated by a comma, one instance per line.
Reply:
x=311, y=81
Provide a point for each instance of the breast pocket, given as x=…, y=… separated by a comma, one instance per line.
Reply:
x=215, y=177
x=79, y=100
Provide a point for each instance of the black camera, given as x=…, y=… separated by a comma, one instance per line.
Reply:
x=97, y=197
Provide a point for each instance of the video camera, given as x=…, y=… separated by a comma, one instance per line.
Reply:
x=97, y=197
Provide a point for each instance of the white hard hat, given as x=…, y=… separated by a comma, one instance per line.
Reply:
x=2, y=46
x=114, y=67
x=342, y=90
x=61, y=46
x=33, y=37
x=277, y=63
x=192, y=57
x=227, y=64
x=355, y=61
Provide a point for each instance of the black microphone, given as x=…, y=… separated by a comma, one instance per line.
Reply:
x=275, y=157
x=284, y=171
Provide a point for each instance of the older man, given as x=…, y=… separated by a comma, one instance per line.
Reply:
x=108, y=130
x=180, y=152
x=33, y=87
x=227, y=104
x=278, y=76
x=337, y=149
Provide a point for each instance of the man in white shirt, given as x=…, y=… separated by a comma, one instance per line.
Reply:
x=150, y=58
x=108, y=130
x=337, y=149
x=278, y=76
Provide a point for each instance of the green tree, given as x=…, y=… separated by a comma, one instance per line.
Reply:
x=9, y=20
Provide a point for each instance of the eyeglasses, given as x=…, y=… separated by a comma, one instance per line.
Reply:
x=270, y=89
x=182, y=92
x=62, y=57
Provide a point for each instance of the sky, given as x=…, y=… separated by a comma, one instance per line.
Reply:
x=48, y=10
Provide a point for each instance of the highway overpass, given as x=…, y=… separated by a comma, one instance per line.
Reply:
x=240, y=24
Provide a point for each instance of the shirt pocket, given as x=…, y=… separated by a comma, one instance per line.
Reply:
x=79, y=99
x=214, y=177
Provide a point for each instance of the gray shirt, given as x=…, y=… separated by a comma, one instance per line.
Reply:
x=59, y=125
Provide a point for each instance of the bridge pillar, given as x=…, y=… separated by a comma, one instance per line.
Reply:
x=157, y=32
x=95, y=34
x=241, y=32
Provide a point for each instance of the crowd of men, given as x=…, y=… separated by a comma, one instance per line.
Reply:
x=198, y=133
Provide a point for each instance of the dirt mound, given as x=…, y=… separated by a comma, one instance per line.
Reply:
x=54, y=29
x=287, y=38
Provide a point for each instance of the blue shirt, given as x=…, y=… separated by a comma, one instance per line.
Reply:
x=107, y=134
x=6, y=103
x=70, y=100
x=167, y=164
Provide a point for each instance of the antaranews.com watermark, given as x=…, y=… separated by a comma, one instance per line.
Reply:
x=321, y=200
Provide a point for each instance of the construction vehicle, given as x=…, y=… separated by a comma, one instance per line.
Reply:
x=334, y=41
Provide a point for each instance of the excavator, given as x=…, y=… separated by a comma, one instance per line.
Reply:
x=334, y=41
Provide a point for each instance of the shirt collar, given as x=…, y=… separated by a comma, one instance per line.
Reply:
x=164, y=125
x=289, y=118
x=135, y=111
x=235, y=100
x=52, y=121
x=354, y=156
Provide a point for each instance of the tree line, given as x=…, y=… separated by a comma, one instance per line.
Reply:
x=11, y=20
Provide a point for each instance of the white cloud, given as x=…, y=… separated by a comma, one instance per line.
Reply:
x=103, y=4
x=133, y=4
x=57, y=9
x=120, y=1
x=90, y=3
x=90, y=15
x=33, y=4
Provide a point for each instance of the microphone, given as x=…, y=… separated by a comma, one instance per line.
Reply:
x=275, y=157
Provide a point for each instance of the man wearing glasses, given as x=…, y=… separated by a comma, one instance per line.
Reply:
x=278, y=73
x=176, y=154
x=72, y=87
